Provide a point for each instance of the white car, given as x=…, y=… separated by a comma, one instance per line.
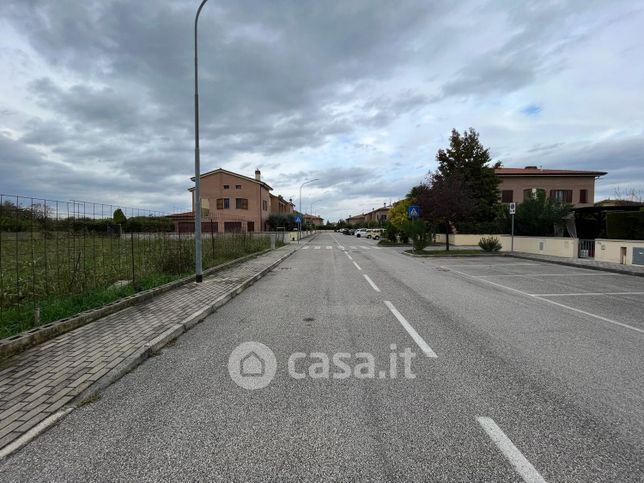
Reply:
x=361, y=232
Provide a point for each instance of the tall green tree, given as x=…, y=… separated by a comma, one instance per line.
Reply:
x=469, y=161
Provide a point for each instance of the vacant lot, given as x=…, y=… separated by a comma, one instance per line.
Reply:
x=46, y=276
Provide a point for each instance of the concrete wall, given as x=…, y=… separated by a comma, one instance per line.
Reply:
x=616, y=251
x=292, y=235
x=555, y=246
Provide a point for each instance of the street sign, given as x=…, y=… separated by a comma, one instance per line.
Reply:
x=298, y=219
x=513, y=208
x=413, y=211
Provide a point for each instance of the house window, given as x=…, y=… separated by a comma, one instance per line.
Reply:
x=223, y=203
x=583, y=196
x=232, y=226
x=205, y=207
x=532, y=193
x=562, y=196
x=237, y=186
x=507, y=196
x=241, y=203
x=226, y=186
x=250, y=226
x=264, y=205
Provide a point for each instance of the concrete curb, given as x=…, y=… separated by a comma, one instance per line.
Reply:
x=622, y=271
x=20, y=342
x=151, y=348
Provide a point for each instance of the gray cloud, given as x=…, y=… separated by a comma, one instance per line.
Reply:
x=341, y=89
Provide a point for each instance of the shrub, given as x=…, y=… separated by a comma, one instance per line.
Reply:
x=490, y=244
x=417, y=231
x=625, y=225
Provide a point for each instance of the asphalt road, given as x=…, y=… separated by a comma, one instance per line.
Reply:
x=523, y=371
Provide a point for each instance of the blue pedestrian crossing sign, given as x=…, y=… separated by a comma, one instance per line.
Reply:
x=413, y=211
x=298, y=219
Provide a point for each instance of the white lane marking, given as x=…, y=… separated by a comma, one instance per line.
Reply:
x=505, y=287
x=511, y=452
x=364, y=247
x=316, y=247
x=357, y=266
x=352, y=248
x=373, y=285
x=532, y=275
x=306, y=247
x=329, y=247
x=584, y=293
x=340, y=247
x=350, y=257
x=410, y=330
x=377, y=248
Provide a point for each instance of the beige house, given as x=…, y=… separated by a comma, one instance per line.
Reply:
x=379, y=214
x=352, y=220
x=565, y=185
x=313, y=219
x=232, y=202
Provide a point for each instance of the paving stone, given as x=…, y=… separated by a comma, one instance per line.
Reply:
x=41, y=380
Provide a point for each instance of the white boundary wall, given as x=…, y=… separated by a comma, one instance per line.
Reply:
x=616, y=251
x=555, y=246
x=613, y=251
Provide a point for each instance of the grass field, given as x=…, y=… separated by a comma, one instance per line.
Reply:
x=45, y=276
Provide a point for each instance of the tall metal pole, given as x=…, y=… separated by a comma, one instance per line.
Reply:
x=197, y=198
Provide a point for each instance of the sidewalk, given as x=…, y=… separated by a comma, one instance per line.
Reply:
x=36, y=385
x=590, y=263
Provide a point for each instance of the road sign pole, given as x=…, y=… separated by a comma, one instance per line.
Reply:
x=512, y=245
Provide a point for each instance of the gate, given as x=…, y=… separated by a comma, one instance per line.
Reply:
x=586, y=249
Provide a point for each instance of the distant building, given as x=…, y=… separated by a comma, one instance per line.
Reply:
x=232, y=202
x=565, y=185
x=379, y=214
x=313, y=219
x=353, y=220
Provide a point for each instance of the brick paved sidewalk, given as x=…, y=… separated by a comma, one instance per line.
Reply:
x=38, y=382
x=586, y=263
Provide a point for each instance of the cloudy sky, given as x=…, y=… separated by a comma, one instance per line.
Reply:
x=96, y=96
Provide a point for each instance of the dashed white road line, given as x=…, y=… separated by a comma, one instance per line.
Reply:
x=329, y=247
x=411, y=331
x=510, y=451
x=373, y=285
x=349, y=256
x=316, y=247
x=357, y=266
x=306, y=247
x=542, y=297
x=584, y=293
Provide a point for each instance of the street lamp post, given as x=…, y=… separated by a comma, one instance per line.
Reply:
x=197, y=198
x=299, y=233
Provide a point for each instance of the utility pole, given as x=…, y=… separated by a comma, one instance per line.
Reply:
x=197, y=196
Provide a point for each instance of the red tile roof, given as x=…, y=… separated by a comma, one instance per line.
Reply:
x=545, y=172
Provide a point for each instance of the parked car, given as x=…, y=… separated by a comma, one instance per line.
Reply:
x=361, y=232
x=374, y=233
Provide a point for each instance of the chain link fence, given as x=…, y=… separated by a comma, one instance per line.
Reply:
x=59, y=258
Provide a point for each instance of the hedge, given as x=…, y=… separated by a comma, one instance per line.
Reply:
x=625, y=225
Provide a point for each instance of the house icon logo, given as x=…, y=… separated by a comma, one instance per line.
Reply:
x=252, y=365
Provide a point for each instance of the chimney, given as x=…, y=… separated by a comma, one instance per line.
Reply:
x=258, y=175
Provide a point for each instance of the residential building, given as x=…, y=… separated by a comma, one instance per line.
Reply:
x=354, y=220
x=565, y=185
x=232, y=202
x=379, y=214
x=313, y=219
